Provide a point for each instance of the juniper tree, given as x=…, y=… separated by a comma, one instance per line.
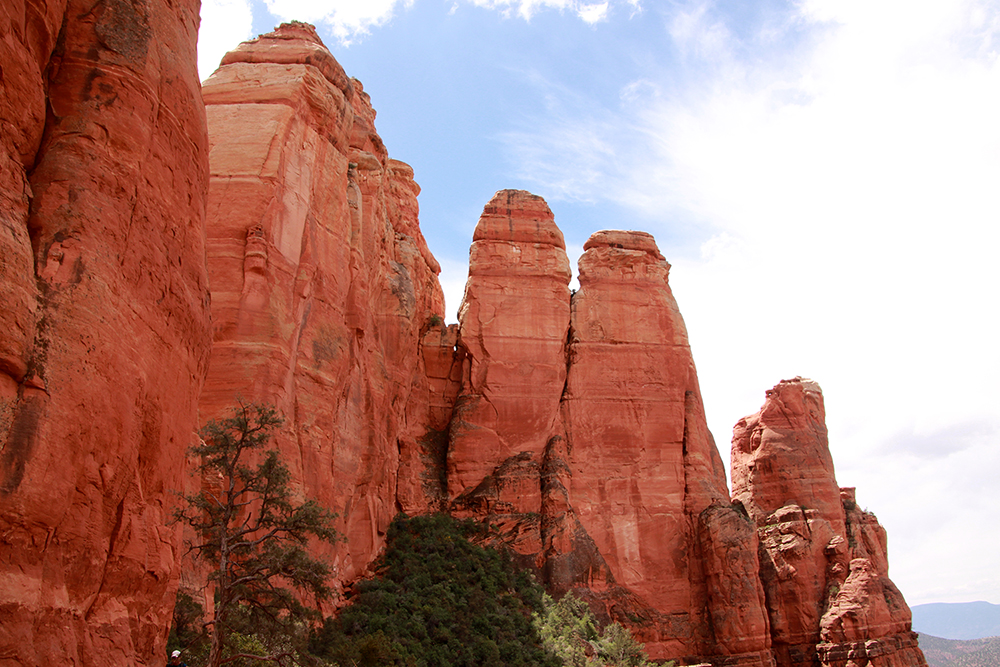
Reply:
x=251, y=531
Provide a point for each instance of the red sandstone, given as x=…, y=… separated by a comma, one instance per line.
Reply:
x=824, y=565
x=323, y=289
x=104, y=322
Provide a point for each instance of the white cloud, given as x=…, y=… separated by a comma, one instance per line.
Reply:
x=347, y=19
x=224, y=24
x=594, y=13
x=589, y=12
x=696, y=34
x=847, y=197
x=227, y=22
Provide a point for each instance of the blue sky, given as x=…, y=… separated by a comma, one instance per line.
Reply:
x=822, y=175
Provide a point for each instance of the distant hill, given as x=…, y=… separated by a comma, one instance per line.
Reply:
x=960, y=653
x=960, y=620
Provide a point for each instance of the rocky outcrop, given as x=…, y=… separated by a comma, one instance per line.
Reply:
x=513, y=323
x=104, y=323
x=325, y=298
x=643, y=464
x=824, y=564
x=579, y=433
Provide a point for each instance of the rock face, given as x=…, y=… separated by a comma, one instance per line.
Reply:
x=643, y=465
x=823, y=560
x=513, y=324
x=104, y=322
x=579, y=432
x=325, y=298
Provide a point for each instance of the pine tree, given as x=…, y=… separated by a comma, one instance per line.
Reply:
x=252, y=532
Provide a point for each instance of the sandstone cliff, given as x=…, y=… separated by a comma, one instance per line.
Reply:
x=104, y=321
x=514, y=320
x=824, y=564
x=324, y=293
x=579, y=432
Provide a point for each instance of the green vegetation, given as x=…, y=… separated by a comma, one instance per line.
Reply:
x=439, y=600
x=254, y=537
x=569, y=631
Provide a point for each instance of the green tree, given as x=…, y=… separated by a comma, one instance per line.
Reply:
x=438, y=600
x=619, y=648
x=253, y=534
x=568, y=630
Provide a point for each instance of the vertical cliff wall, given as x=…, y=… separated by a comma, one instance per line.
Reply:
x=579, y=432
x=104, y=321
x=513, y=324
x=323, y=289
x=644, y=466
x=824, y=564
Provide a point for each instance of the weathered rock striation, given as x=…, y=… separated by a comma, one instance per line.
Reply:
x=513, y=323
x=824, y=564
x=104, y=321
x=579, y=433
x=325, y=297
x=644, y=468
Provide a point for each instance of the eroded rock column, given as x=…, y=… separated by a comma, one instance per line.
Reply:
x=643, y=465
x=512, y=330
x=322, y=285
x=823, y=561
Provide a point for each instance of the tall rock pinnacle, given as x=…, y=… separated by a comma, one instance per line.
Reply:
x=512, y=329
x=823, y=560
x=322, y=284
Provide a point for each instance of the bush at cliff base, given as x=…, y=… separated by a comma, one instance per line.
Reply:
x=439, y=600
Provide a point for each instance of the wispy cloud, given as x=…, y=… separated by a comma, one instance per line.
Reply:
x=348, y=20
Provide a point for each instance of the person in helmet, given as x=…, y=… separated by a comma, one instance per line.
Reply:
x=175, y=660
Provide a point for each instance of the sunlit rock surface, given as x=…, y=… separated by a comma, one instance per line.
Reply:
x=325, y=298
x=104, y=322
x=571, y=422
x=823, y=560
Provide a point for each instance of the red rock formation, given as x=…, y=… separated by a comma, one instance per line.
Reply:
x=823, y=561
x=103, y=325
x=593, y=458
x=575, y=423
x=512, y=330
x=323, y=289
x=646, y=479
